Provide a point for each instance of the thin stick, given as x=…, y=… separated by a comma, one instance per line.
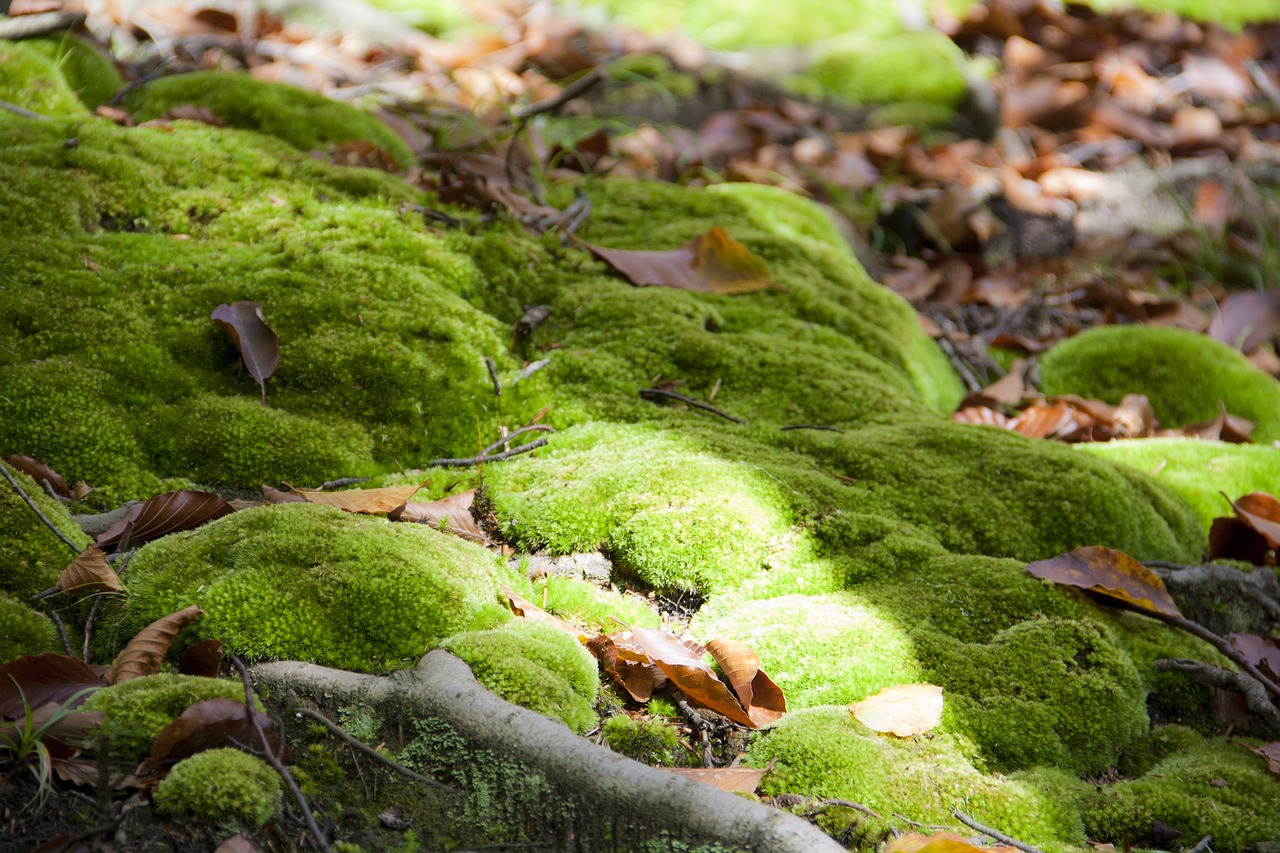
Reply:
x=811, y=426
x=568, y=93
x=368, y=750
x=274, y=760
x=88, y=626
x=62, y=631
x=1255, y=696
x=507, y=438
x=27, y=498
x=850, y=804
x=996, y=834
x=1202, y=845
x=654, y=394
x=493, y=376
x=342, y=483
x=22, y=111
x=480, y=460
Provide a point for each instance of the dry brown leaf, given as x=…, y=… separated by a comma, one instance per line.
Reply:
x=982, y=416
x=1225, y=427
x=1052, y=420
x=257, y=343
x=89, y=572
x=627, y=666
x=212, y=724
x=203, y=659
x=905, y=710
x=1109, y=573
x=31, y=681
x=689, y=673
x=366, y=501
x=1246, y=319
x=712, y=262
x=145, y=653
x=527, y=609
x=1260, y=511
x=451, y=514
x=280, y=496
x=1271, y=753
x=744, y=779
x=762, y=699
x=38, y=471
x=1262, y=652
x=164, y=514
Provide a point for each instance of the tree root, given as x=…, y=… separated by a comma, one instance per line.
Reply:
x=1255, y=694
x=1201, y=591
x=612, y=797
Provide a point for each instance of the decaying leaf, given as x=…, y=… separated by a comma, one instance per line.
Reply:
x=744, y=779
x=365, y=501
x=1110, y=573
x=451, y=514
x=281, y=496
x=1260, y=511
x=1271, y=753
x=257, y=343
x=36, y=680
x=762, y=699
x=527, y=609
x=1246, y=319
x=237, y=843
x=690, y=673
x=1232, y=429
x=1262, y=652
x=145, y=652
x=627, y=666
x=712, y=262
x=203, y=659
x=38, y=471
x=164, y=514
x=89, y=572
x=942, y=842
x=905, y=710
x=1232, y=539
x=211, y=724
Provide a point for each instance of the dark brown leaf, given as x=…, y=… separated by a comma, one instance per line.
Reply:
x=203, y=659
x=1262, y=652
x=89, y=572
x=1246, y=319
x=451, y=514
x=211, y=724
x=258, y=345
x=1232, y=539
x=1260, y=511
x=712, y=262
x=1271, y=753
x=164, y=514
x=280, y=496
x=1109, y=573
x=690, y=674
x=38, y=471
x=34, y=680
x=145, y=653
x=762, y=699
x=1225, y=427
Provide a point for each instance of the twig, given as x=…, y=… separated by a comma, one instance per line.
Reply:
x=507, y=438
x=1202, y=845
x=1255, y=695
x=996, y=834
x=850, y=804
x=275, y=761
x=655, y=394
x=493, y=376
x=62, y=631
x=342, y=483
x=88, y=625
x=370, y=751
x=568, y=93
x=125, y=536
x=811, y=426
x=39, y=24
x=702, y=726
x=27, y=498
x=481, y=459
x=531, y=319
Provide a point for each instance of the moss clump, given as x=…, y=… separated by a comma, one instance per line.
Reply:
x=825, y=752
x=921, y=66
x=1198, y=471
x=1209, y=787
x=30, y=79
x=534, y=665
x=1059, y=693
x=31, y=557
x=588, y=606
x=24, y=631
x=136, y=710
x=649, y=741
x=1185, y=375
x=90, y=74
x=303, y=582
x=226, y=788
x=304, y=119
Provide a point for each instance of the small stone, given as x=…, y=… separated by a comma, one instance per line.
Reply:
x=396, y=818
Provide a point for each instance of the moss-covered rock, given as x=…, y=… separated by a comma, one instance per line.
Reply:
x=31, y=556
x=1185, y=375
x=535, y=665
x=302, y=582
x=136, y=710
x=226, y=789
x=24, y=631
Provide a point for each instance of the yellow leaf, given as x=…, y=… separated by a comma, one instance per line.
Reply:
x=905, y=710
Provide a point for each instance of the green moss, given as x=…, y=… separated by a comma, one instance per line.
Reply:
x=31, y=80
x=588, y=606
x=31, y=556
x=302, y=582
x=921, y=66
x=306, y=120
x=1210, y=787
x=1051, y=692
x=535, y=665
x=1185, y=375
x=1198, y=471
x=227, y=788
x=90, y=74
x=649, y=741
x=136, y=710
x=826, y=752
x=24, y=631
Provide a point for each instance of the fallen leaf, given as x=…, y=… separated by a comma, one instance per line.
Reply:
x=690, y=673
x=257, y=343
x=629, y=667
x=237, y=843
x=981, y=416
x=1246, y=319
x=905, y=710
x=744, y=779
x=212, y=724
x=1271, y=753
x=712, y=262
x=1225, y=427
x=525, y=608
x=1262, y=652
x=35, y=680
x=203, y=659
x=38, y=471
x=362, y=152
x=762, y=699
x=365, y=501
x=280, y=496
x=1057, y=420
x=1232, y=539
x=164, y=514
x=943, y=842
x=1109, y=573
x=451, y=514
x=1260, y=511
x=145, y=652
x=89, y=572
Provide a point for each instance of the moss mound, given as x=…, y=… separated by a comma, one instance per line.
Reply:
x=924, y=67
x=31, y=556
x=1185, y=375
x=302, y=582
x=24, y=631
x=93, y=77
x=225, y=788
x=30, y=79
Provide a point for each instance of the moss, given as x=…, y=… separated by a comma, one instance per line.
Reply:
x=136, y=710
x=31, y=80
x=1059, y=693
x=91, y=75
x=1198, y=471
x=304, y=119
x=649, y=741
x=826, y=752
x=1209, y=787
x=226, y=788
x=1184, y=374
x=535, y=665
x=24, y=631
x=31, y=556
x=921, y=66
x=588, y=606
x=302, y=582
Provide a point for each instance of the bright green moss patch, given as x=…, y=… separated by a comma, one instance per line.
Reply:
x=1210, y=787
x=1185, y=375
x=301, y=582
x=535, y=665
x=136, y=710
x=30, y=79
x=304, y=119
x=31, y=556
x=588, y=606
x=90, y=74
x=1198, y=471
x=225, y=788
x=650, y=741
x=24, y=631
x=917, y=66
